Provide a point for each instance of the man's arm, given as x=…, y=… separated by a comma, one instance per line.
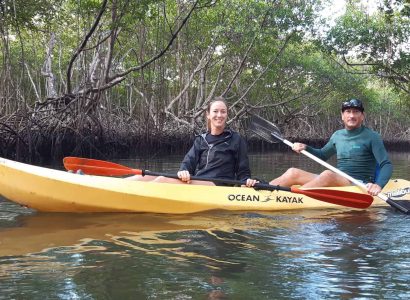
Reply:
x=326, y=152
x=382, y=158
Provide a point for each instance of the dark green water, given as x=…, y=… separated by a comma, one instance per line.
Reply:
x=317, y=254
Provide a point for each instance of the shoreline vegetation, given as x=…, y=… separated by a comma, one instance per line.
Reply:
x=114, y=78
x=45, y=138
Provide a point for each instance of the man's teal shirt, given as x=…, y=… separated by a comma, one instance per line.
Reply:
x=359, y=151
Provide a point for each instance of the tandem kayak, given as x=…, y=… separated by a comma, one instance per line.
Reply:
x=50, y=190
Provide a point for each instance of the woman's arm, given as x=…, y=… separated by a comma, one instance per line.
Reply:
x=242, y=171
x=190, y=161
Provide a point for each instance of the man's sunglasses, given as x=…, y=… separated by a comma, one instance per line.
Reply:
x=353, y=103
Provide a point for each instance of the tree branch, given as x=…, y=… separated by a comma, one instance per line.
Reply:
x=161, y=53
x=83, y=44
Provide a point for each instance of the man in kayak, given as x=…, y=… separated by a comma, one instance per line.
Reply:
x=219, y=153
x=360, y=153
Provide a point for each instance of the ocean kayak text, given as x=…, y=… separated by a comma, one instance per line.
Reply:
x=281, y=199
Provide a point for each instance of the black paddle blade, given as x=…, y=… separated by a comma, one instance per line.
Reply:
x=265, y=129
x=401, y=205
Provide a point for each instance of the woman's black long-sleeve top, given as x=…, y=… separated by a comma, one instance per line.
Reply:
x=226, y=158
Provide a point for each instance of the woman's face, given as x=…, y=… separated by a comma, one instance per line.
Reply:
x=217, y=115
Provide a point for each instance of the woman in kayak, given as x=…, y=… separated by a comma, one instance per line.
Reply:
x=219, y=153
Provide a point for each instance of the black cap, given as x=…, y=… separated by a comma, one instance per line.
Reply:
x=353, y=103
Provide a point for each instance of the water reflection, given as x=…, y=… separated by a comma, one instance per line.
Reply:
x=316, y=254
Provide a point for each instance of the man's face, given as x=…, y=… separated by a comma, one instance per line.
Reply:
x=352, y=118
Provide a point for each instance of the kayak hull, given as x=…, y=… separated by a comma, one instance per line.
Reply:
x=51, y=190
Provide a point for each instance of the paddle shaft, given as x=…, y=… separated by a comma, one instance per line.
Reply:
x=261, y=186
x=345, y=198
x=343, y=174
x=104, y=168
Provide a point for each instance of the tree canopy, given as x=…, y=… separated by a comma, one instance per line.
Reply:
x=377, y=44
x=105, y=72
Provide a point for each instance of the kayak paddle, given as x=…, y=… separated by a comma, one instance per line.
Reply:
x=105, y=168
x=271, y=133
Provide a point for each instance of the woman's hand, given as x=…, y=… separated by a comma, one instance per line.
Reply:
x=251, y=182
x=184, y=176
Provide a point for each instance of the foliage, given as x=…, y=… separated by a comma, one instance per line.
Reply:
x=71, y=66
x=375, y=43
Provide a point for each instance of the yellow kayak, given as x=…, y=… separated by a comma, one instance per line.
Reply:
x=50, y=190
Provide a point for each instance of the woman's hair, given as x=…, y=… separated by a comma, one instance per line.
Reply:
x=216, y=99
x=208, y=109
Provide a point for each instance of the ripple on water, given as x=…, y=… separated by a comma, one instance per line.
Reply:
x=10, y=211
x=288, y=255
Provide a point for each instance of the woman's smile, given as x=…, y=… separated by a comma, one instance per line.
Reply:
x=217, y=117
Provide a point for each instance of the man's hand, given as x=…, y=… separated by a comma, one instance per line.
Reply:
x=373, y=189
x=298, y=147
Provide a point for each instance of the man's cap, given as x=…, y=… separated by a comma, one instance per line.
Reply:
x=353, y=103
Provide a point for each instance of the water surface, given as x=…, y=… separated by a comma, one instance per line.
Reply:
x=316, y=254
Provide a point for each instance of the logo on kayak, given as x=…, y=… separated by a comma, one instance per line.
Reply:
x=399, y=193
x=253, y=198
x=284, y=199
x=241, y=197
